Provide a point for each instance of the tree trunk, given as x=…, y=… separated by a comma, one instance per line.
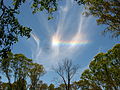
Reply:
x=10, y=86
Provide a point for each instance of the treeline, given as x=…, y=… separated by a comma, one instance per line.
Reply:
x=18, y=69
x=103, y=73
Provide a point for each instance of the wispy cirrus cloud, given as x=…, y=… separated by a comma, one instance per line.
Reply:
x=66, y=40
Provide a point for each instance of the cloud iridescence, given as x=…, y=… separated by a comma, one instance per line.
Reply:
x=66, y=41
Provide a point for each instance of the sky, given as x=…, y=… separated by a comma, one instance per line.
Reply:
x=68, y=35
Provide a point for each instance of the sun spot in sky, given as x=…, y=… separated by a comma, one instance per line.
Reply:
x=55, y=40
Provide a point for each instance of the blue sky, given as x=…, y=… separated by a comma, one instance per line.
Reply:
x=68, y=25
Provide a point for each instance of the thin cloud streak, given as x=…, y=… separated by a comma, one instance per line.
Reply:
x=62, y=43
x=38, y=49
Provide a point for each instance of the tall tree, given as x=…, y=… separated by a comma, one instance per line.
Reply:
x=107, y=13
x=103, y=72
x=66, y=70
x=5, y=67
x=20, y=66
x=20, y=84
x=35, y=72
x=15, y=66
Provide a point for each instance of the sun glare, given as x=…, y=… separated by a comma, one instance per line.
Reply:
x=55, y=40
x=75, y=41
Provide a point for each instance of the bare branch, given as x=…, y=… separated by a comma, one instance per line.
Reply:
x=66, y=70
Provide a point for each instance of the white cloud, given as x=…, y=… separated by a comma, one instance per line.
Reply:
x=65, y=34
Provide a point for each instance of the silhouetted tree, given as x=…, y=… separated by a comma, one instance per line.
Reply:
x=10, y=28
x=66, y=70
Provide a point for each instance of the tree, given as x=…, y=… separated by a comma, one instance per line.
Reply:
x=58, y=88
x=43, y=86
x=0, y=83
x=66, y=70
x=75, y=85
x=17, y=67
x=35, y=72
x=19, y=84
x=20, y=66
x=103, y=72
x=107, y=13
x=51, y=87
x=5, y=67
x=62, y=87
x=10, y=28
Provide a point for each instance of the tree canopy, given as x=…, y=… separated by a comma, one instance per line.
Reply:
x=103, y=72
x=35, y=72
x=10, y=28
x=107, y=13
x=17, y=68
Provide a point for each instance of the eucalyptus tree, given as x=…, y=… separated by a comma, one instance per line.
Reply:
x=35, y=72
x=5, y=67
x=107, y=13
x=15, y=66
x=20, y=66
x=103, y=72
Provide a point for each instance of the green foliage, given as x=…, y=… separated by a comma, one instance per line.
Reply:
x=51, y=87
x=5, y=67
x=75, y=85
x=11, y=29
x=62, y=87
x=19, y=68
x=107, y=13
x=44, y=86
x=17, y=3
x=48, y=5
x=35, y=72
x=15, y=66
x=19, y=85
x=58, y=88
x=103, y=72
